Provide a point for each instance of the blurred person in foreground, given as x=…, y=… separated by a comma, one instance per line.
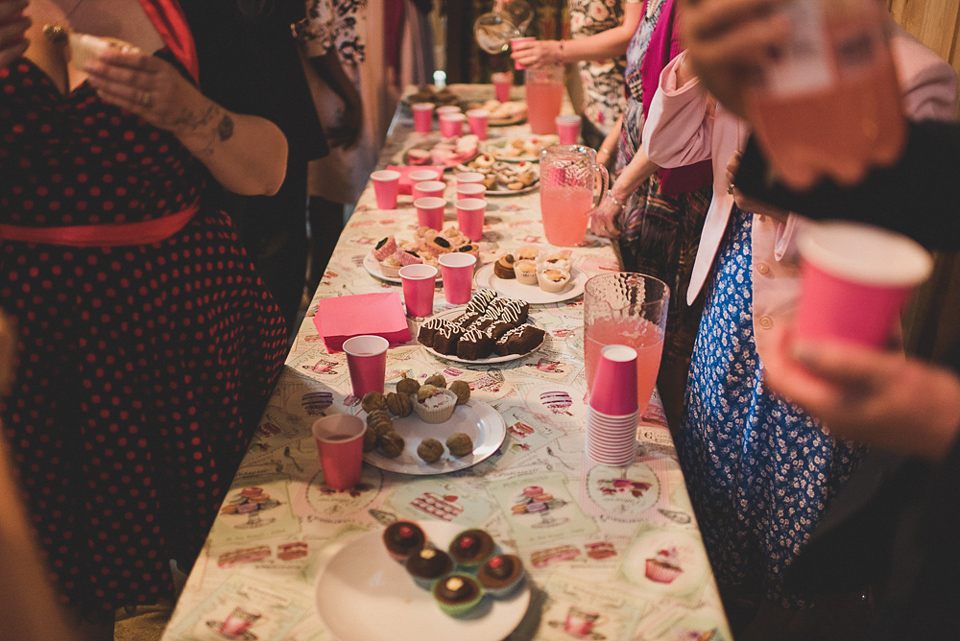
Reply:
x=148, y=343
x=760, y=471
x=897, y=520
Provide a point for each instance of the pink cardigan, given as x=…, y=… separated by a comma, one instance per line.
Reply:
x=663, y=47
x=686, y=125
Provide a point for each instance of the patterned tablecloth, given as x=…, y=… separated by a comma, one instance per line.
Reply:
x=591, y=555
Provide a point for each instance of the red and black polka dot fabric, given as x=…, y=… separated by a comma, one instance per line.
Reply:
x=143, y=367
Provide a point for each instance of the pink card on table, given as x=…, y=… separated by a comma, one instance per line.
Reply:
x=340, y=318
x=405, y=183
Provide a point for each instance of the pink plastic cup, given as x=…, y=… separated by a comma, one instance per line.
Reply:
x=456, y=270
x=513, y=44
x=465, y=177
x=428, y=189
x=501, y=85
x=367, y=362
x=430, y=212
x=478, y=119
x=386, y=185
x=423, y=175
x=614, y=388
x=612, y=444
x=448, y=109
x=451, y=125
x=422, y=117
x=418, y=283
x=340, y=445
x=471, y=190
x=470, y=213
x=568, y=128
x=856, y=278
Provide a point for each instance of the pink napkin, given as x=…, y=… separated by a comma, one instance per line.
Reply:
x=405, y=186
x=343, y=317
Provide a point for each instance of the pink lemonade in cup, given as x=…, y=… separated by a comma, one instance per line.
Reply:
x=564, y=209
x=636, y=332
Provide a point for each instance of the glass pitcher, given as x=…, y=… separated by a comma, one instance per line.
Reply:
x=544, y=89
x=568, y=178
x=495, y=29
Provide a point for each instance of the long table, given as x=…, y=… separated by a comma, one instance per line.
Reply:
x=590, y=557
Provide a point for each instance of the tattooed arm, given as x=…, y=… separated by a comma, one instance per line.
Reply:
x=246, y=154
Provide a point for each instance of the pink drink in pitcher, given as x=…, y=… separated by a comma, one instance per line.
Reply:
x=544, y=87
x=568, y=180
x=636, y=332
x=564, y=209
x=837, y=62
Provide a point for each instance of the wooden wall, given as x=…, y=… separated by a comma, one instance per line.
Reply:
x=932, y=323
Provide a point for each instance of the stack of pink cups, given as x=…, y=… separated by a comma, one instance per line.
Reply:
x=614, y=411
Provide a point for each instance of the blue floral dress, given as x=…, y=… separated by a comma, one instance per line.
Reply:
x=758, y=469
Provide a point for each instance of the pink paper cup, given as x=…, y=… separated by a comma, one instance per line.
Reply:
x=367, y=362
x=448, y=109
x=386, y=186
x=418, y=283
x=856, y=278
x=423, y=175
x=615, y=381
x=340, y=445
x=422, y=117
x=513, y=43
x=471, y=190
x=430, y=212
x=451, y=125
x=478, y=120
x=456, y=270
x=501, y=85
x=428, y=189
x=568, y=128
x=470, y=213
x=468, y=177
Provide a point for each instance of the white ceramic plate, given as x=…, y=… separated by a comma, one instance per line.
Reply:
x=372, y=265
x=364, y=595
x=476, y=419
x=495, y=148
x=511, y=288
x=453, y=313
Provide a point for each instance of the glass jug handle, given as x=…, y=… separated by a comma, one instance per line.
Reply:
x=604, y=182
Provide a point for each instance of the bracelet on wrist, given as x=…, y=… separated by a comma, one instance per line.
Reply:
x=560, y=53
x=610, y=195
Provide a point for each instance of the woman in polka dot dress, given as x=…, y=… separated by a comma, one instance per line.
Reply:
x=147, y=342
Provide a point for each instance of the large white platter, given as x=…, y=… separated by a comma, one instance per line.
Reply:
x=364, y=595
x=490, y=360
x=511, y=288
x=476, y=419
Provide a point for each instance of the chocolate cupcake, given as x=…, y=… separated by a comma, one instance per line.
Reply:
x=501, y=575
x=470, y=548
x=403, y=539
x=457, y=593
x=428, y=565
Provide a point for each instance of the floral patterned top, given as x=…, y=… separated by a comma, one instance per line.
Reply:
x=334, y=23
x=602, y=80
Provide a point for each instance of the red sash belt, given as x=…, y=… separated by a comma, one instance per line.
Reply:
x=111, y=235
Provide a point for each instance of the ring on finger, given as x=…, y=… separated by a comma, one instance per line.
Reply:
x=145, y=98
